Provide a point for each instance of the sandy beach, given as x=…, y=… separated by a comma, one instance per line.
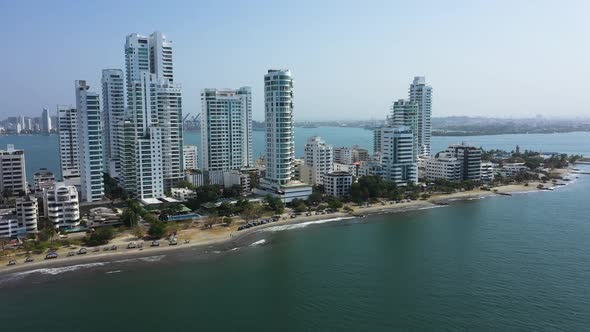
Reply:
x=220, y=235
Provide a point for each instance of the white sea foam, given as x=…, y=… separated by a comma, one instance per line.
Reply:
x=259, y=242
x=59, y=270
x=152, y=258
x=115, y=271
x=234, y=249
x=303, y=224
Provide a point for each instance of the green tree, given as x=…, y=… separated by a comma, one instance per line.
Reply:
x=335, y=204
x=157, y=229
x=275, y=204
x=99, y=237
x=129, y=218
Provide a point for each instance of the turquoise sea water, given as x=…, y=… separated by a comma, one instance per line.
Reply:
x=519, y=263
x=42, y=151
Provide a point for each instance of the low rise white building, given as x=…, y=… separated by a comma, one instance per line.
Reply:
x=27, y=214
x=61, y=206
x=443, y=166
x=337, y=184
x=320, y=157
x=182, y=194
x=487, y=171
x=352, y=169
x=511, y=169
x=237, y=178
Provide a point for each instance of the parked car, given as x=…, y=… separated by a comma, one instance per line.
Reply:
x=51, y=255
x=131, y=245
x=82, y=251
x=11, y=262
x=97, y=249
x=172, y=241
x=155, y=243
x=29, y=259
x=71, y=253
x=113, y=247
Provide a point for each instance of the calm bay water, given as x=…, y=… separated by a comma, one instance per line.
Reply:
x=500, y=263
x=43, y=151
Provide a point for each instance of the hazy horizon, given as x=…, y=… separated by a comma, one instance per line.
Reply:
x=349, y=60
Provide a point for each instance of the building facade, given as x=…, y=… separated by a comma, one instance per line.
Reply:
x=113, y=101
x=280, y=139
x=420, y=94
x=337, y=184
x=45, y=122
x=470, y=158
x=61, y=206
x=152, y=129
x=69, y=159
x=13, y=177
x=344, y=155
x=27, y=214
x=190, y=157
x=43, y=179
x=398, y=160
x=319, y=156
x=443, y=166
x=90, y=145
x=226, y=128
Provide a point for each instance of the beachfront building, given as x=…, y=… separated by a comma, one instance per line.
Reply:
x=27, y=214
x=319, y=157
x=90, y=143
x=337, y=184
x=113, y=101
x=487, y=171
x=226, y=128
x=470, y=158
x=512, y=169
x=13, y=177
x=280, y=140
x=43, y=179
x=398, y=159
x=443, y=166
x=190, y=157
x=420, y=94
x=152, y=152
x=344, y=155
x=405, y=113
x=45, y=122
x=61, y=206
x=69, y=160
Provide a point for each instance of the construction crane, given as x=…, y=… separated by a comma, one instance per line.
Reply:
x=194, y=123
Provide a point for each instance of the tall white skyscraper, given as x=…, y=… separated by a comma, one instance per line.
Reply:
x=45, y=122
x=280, y=139
x=405, y=113
x=226, y=128
x=69, y=160
x=421, y=95
x=398, y=160
x=113, y=102
x=319, y=156
x=152, y=156
x=90, y=143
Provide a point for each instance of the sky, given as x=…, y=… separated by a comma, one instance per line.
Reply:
x=349, y=59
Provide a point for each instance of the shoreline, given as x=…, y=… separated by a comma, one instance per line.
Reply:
x=225, y=237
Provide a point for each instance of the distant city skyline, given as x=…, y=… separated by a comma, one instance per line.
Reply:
x=350, y=61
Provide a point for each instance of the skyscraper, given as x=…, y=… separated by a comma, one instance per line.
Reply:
x=45, y=122
x=226, y=128
x=405, y=113
x=69, y=159
x=398, y=160
x=90, y=143
x=152, y=155
x=280, y=143
x=113, y=101
x=319, y=156
x=421, y=95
